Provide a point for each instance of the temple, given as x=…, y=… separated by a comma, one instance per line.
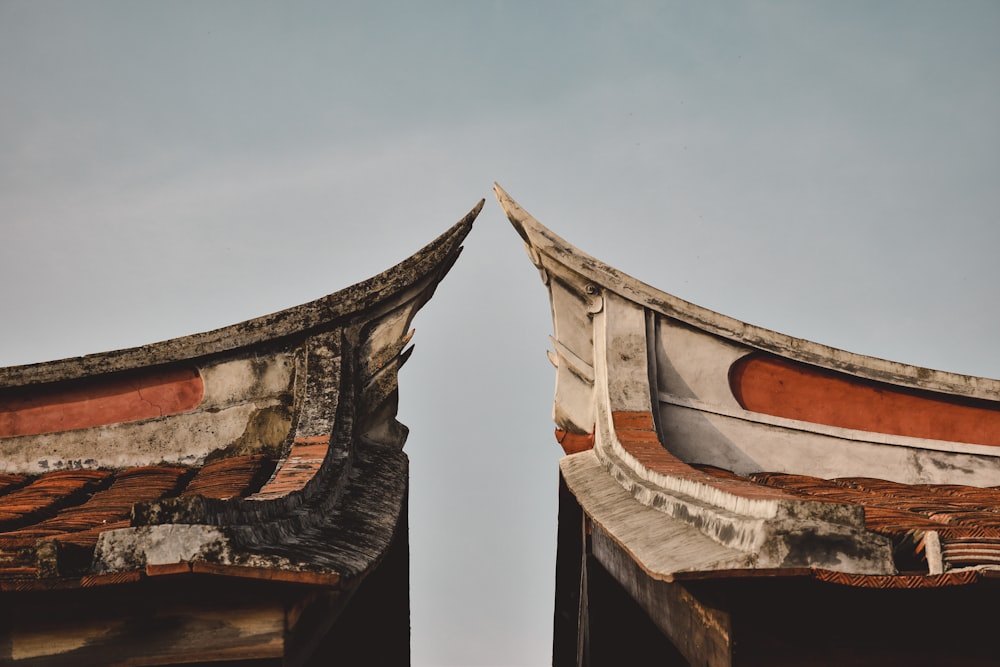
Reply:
x=233, y=497
x=734, y=496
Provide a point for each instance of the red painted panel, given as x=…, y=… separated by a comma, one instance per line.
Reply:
x=775, y=386
x=103, y=401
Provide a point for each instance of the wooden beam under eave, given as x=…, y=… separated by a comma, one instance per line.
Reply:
x=179, y=619
x=699, y=630
x=337, y=628
x=176, y=634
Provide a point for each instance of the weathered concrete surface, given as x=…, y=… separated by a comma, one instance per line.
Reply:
x=135, y=548
x=245, y=406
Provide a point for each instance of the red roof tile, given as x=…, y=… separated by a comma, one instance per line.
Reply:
x=10, y=482
x=303, y=462
x=966, y=519
x=45, y=494
x=73, y=507
x=232, y=477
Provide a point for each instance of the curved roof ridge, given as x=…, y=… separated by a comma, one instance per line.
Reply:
x=539, y=238
x=436, y=257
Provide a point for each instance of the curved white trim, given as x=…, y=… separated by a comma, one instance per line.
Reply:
x=873, y=437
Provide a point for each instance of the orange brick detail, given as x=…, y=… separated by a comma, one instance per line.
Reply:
x=313, y=440
x=960, y=578
x=114, y=578
x=573, y=443
x=304, y=460
x=632, y=420
x=639, y=439
x=232, y=477
x=182, y=567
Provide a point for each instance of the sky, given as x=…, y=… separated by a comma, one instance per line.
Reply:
x=829, y=170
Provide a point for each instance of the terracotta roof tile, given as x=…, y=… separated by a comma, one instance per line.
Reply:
x=966, y=519
x=73, y=507
x=11, y=482
x=46, y=494
x=115, y=502
x=574, y=442
x=232, y=477
x=303, y=462
x=88, y=537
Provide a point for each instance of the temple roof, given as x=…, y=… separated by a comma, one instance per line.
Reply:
x=267, y=453
x=69, y=509
x=708, y=448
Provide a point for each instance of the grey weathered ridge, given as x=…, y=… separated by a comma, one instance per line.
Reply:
x=545, y=240
x=292, y=321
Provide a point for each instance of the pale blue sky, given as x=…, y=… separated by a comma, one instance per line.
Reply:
x=826, y=169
